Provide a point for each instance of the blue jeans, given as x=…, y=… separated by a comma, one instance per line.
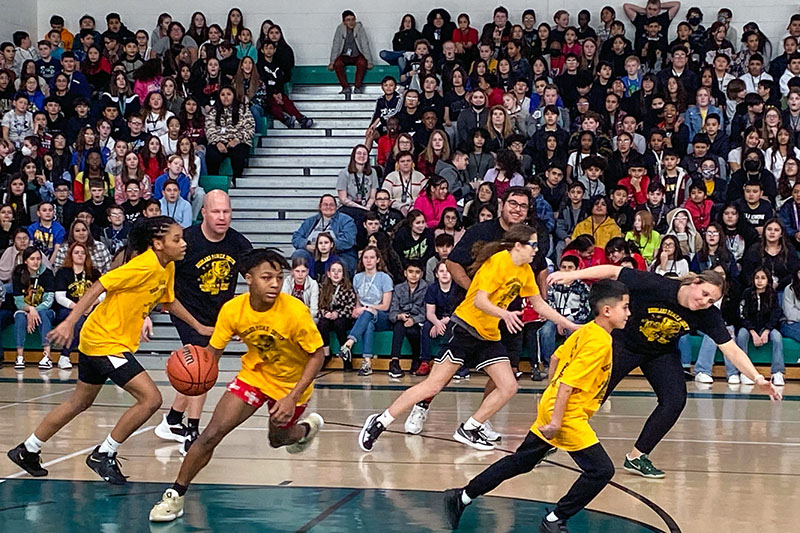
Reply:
x=76, y=331
x=364, y=330
x=705, y=357
x=685, y=348
x=426, y=353
x=394, y=58
x=546, y=336
x=21, y=326
x=775, y=339
x=791, y=330
x=258, y=115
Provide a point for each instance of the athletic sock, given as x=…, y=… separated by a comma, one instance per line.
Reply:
x=466, y=500
x=471, y=423
x=180, y=489
x=33, y=444
x=109, y=446
x=424, y=404
x=174, y=417
x=194, y=423
x=385, y=418
x=552, y=517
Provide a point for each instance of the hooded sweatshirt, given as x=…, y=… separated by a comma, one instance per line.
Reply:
x=690, y=241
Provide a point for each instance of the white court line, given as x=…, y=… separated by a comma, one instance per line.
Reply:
x=36, y=398
x=73, y=454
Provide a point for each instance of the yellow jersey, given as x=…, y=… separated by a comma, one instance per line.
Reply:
x=132, y=291
x=504, y=281
x=278, y=341
x=584, y=363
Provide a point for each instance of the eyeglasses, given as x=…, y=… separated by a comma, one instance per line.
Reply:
x=533, y=244
x=713, y=233
x=513, y=204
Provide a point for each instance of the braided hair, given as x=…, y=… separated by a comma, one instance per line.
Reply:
x=144, y=231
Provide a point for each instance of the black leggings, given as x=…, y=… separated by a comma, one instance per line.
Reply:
x=400, y=332
x=340, y=327
x=665, y=374
x=238, y=155
x=594, y=461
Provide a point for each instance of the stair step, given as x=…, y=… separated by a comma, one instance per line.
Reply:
x=369, y=90
x=333, y=98
x=310, y=144
x=297, y=160
x=266, y=203
x=312, y=185
x=322, y=123
x=301, y=153
x=275, y=190
x=353, y=114
x=267, y=172
x=316, y=132
x=336, y=105
x=286, y=227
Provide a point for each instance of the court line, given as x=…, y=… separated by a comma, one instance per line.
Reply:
x=72, y=455
x=327, y=512
x=29, y=400
x=672, y=526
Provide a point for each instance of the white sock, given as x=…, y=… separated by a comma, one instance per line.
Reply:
x=109, y=446
x=552, y=517
x=466, y=500
x=33, y=444
x=471, y=423
x=385, y=418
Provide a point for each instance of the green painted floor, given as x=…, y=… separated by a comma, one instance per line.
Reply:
x=83, y=506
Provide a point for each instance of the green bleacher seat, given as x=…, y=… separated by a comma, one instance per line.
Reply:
x=320, y=75
x=209, y=183
x=225, y=167
x=32, y=341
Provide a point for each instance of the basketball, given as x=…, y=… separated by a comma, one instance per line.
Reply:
x=192, y=370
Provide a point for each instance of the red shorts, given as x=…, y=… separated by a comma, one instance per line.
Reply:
x=254, y=397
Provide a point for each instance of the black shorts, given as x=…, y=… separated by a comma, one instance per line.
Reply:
x=95, y=370
x=464, y=349
x=187, y=333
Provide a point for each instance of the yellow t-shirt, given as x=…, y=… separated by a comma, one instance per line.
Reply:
x=132, y=291
x=278, y=341
x=584, y=363
x=504, y=281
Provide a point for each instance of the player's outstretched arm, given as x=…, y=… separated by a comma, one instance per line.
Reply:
x=595, y=272
x=735, y=355
x=62, y=334
x=217, y=353
x=176, y=308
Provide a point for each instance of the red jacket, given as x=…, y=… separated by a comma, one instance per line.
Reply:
x=433, y=209
x=701, y=214
x=385, y=145
x=636, y=198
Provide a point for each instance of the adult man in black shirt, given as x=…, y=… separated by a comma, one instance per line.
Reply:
x=205, y=279
x=662, y=311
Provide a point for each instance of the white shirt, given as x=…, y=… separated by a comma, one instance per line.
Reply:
x=751, y=82
x=155, y=126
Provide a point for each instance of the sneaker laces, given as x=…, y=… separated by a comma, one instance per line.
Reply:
x=114, y=463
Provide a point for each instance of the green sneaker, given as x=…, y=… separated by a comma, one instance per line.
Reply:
x=643, y=467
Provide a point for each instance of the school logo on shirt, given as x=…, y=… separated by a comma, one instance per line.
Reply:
x=34, y=294
x=216, y=273
x=512, y=289
x=662, y=325
x=78, y=287
x=262, y=338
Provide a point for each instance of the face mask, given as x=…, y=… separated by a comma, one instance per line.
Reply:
x=708, y=172
x=477, y=107
x=26, y=151
x=751, y=165
x=694, y=21
x=555, y=52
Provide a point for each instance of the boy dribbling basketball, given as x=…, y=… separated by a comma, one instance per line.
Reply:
x=284, y=354
x=582, y=373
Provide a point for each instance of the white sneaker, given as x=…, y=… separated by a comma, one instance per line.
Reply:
x=777, y=379
x=489, y=432
x=734, y=379
x=46, y=363
x=19, y=364
x=166, y=431
x=315, y=423
x=64, y=363
x=745, y=380
x=702, y=377
x=416, y=420
x=168, y=508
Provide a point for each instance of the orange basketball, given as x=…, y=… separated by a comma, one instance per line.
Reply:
x=192, y=370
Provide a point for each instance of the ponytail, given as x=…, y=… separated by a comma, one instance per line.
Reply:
x=518, y=233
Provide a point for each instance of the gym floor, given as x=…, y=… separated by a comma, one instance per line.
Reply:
x=730, y=464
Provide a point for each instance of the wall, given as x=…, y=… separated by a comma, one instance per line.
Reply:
x=16, y=15
x=310, y=30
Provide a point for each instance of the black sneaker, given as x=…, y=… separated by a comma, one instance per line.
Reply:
x=462, y=374
x=345, y=354
x=370, y=432
x=106, y=466
x=28, y=461
x=538, y=375
x=473, y=438
x=394, y=369
x=453, y=507
x=688, y=375
x=559, y=526
x=190, y=438
x=306, y=122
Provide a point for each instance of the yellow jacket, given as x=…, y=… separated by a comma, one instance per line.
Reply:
x=602, y=233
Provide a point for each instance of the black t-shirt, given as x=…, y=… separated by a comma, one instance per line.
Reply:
x=98, y=211
x=35, y=290
x=75, y=285
x=487, y=231
x=455, y=103
x=641, y=21
x=132, y=212
x=657, y=320
x=445, y=302
x=206, y=277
